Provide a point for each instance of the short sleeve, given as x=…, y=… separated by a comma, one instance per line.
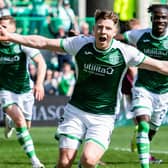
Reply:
x=30, y=52
x=132, y=36
x=73, y=44
x=132, y=56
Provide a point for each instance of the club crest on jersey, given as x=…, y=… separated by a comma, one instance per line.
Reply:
x=165, y=44
x=113, y=59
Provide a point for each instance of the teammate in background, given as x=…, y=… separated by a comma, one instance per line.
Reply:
x=16, y=88
x=101, y=63
x=150, y=103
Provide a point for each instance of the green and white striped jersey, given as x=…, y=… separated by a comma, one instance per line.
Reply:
x=156, y=48
x=14, y=74
x=100, y=73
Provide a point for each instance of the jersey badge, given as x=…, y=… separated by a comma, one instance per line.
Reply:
x=113, y=59
x=16, y=49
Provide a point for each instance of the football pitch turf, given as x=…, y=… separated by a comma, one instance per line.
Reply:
x=117, y=156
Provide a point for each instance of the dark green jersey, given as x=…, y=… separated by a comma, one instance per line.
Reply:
x=100, y=73
x=14, y=74
x=156, y=48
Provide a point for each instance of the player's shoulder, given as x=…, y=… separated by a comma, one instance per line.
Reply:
x=82, y=37
x=73, y=44
x=145, y=30
x=139, y=31
x=80, y=40
x=119, y=45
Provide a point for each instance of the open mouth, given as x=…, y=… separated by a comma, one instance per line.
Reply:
x=102, y=39
x=161, y=25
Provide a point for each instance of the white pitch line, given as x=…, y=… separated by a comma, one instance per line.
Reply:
x=128, y=150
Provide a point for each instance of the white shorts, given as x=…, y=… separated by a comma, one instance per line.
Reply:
x=148, y=103
x=25, y=101
x=77, y=126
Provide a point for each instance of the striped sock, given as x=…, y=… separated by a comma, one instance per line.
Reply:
x=26, y=142
x=143, y=144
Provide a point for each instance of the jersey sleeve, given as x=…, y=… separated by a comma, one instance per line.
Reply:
x=132, y=56
x=30, y=52
x=73, y=44
x=132, y=36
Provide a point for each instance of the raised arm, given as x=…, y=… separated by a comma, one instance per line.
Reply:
x=34, y=41
x=155, y=65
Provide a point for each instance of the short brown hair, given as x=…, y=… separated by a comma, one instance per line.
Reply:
x=8, y=17
x=106, y=14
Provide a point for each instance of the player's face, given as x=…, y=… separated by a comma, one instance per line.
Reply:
x=104, y=31
x=8, y=26
x=159, y=21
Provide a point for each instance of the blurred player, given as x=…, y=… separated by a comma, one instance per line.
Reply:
x=16, y=88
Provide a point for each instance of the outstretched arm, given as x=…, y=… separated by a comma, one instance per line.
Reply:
x=34, y=41
x=155, y=65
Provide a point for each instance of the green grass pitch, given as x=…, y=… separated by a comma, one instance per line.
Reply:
x=118, y=155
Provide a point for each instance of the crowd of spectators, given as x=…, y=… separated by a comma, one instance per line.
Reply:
x=43, y=17
x=60, y=82
x=57, y=82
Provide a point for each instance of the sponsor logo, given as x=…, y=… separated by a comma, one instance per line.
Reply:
x=8, y=60
x=156, y=52
x=98, y=69
x=146, y=40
